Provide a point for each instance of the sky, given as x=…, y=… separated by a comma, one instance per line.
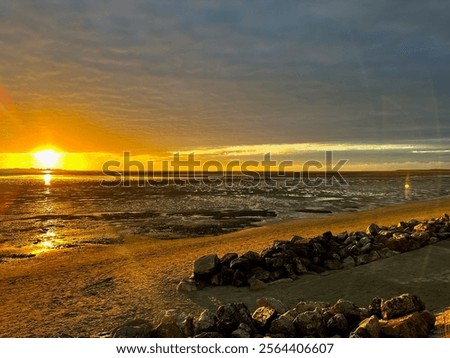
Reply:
x=369, y=80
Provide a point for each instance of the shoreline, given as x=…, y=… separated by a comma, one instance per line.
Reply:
x=83, y=292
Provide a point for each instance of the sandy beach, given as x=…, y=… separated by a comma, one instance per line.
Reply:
x=85, y=291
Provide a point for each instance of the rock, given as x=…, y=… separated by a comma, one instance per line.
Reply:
x=298, y=266
x=305, y=306
x=256, y=285
x=136, y=328
x=421, y=227
x=366, y=248
x=297, y=239
x=231, y=315
x=337, y=324
x=260, y=274
x=401, y=242
x=206, y=266
x=253, y=257
x=243, y=331
x=209, y=335
x=274, y=303
x=348, y=262
x=263, y=316
x=310, y=324
x=364, y=241
x=421, y=237
x=227, y=258
x=375, y=307
x=362, y=259
x=368, y=328
x=283, y=325
x=185, y=322
x=242, y=264
x=372, y=229
x=352, y=312
x=186, y=286
x=433, y=240
x=350, y=240
x=385, y=253
x=281, y=280
x=414, y=325
x=239, y=279
x=206, y=322
x=373, y=256
x=333, y=264
x=401, y=305
x=328, y=235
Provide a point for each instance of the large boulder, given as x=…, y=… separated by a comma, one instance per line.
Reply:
x=368, y=328
x=337, y=324
x=231, y=315
x=414, y=325
x=136, y=328
x=284, y=326
x=206, y=266
x=352, y=312
x=310, y=324
x=175, y=324
x=263, y=316
x=206, y=322
x=274, y=303
x=401, y=305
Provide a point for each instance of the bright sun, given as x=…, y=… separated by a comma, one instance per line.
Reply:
x=47, y=159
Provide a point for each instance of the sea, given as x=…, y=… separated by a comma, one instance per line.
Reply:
x=50, y=211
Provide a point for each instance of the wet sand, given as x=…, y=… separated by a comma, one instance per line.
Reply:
x=89, y=290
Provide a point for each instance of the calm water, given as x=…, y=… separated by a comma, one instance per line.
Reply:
x=64, y=211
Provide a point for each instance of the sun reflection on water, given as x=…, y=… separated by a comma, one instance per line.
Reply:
x=47, y=179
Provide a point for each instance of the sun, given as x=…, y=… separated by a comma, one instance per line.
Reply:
x=47, y=159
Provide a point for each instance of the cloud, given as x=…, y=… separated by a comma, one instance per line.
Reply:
x=229, y=74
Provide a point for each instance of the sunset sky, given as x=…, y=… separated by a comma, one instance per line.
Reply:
x=226, y=80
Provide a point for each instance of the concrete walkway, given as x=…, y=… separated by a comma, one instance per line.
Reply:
x=425, y=272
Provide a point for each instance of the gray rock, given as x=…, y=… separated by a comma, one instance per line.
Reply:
x=174, y=324
x=206, y=322
x=337, y=324
x=136, y=328
x=206, y=266
x=364, y=241
x=375, y=307
x=231, y=315
x=401, y=305
x=333, y=264
x=274, y=303
x=243, y=331
x=186, y=285
x=414, y=325
x=310, y=324
x=227, y=258
x=283, y=325
x=256, y=285
x=209, y=335
x=352, y=312
x=305, y=306
x=348, y=262
x=373, y=256
x=368, y=328
x=366, y=248
x=372, y=229
x=362, y=259
x=263, y=316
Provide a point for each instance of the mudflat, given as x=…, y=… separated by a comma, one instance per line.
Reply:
x=86, y=291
